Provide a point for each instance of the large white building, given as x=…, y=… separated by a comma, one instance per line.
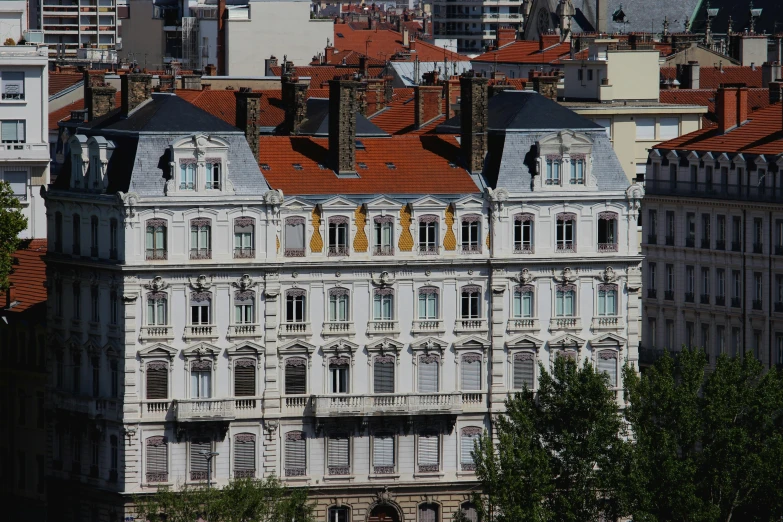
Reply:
x=338, y=307
x=24, y=130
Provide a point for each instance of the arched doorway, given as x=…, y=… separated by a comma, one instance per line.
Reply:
x=383, y=514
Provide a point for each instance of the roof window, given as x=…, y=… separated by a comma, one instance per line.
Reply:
x=390, y=165
x=264, y=166
x=297, y=166
x=362, y=165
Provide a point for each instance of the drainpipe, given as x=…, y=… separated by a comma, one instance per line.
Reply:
x=769, y=285
x=742, y=280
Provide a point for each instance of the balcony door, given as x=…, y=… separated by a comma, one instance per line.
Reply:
x=383, y=514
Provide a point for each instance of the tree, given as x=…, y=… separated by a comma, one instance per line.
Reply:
x=242, y=500
x=12, y=222
x=559, y=454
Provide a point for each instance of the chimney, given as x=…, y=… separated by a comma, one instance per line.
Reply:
x=548, y=40
x=428, y=103
x=294, y=103
x=775, y=91
x=546, y=85
x=406, y=37
x=431, y=77
x=731, y=106
x=451, y=91
x=770, y=72
x=374, y=95
x=363, y=66
x=92, y=79
x=210, y=70
x=221, y=37
x=600, y=14
x=473, y=121
x=505, y=35
x=191, y=82
x=693, y=74
x=498, y=88
x=328, y=53
x=101, y=101
x=166, y=83
x=247, y=113
x=342, y=126
x=136, y=89
x=388, y=89
x=268, y=64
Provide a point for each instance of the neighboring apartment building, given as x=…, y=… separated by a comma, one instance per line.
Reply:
x=24, y=130
x=353, y=337
x=13, y=20
x=713, y=236
x=474, y=24
x=70, y=25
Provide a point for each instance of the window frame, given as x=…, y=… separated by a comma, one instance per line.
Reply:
x=201, y=230
x=383, y=226
x=523, y=221
x=152, y=229
x=565, y=227
x=241, y=250
x=338, y=236
x=470, y=234
x=428, y=227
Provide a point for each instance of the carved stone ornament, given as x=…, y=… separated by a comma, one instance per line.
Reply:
x=271, y=426
x=524, y=277
x=129, y=298
x=157, y=284
x=568, y=276
x=273, y=197
x=384, y=279
x=608, y=275
x=384, y=497
x=201, y=283
x=244, y=283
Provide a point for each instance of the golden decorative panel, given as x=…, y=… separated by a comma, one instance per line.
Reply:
x=406, y=239
x=360, y=242
x=449, y=240
x=316, y=242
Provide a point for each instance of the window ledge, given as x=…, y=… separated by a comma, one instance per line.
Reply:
x=201, y=331
x=295, y=330
x=523, y=324
x=338, y=478
x=241, y=331
x=607, y=322
x=470, y=325
x=383, y=327
x=428, y=326
x=394, y=476
x=300, y=478
x=338, y=328
x=565, y=323
x=156, y=333
x=471, y=474
x=156, y=484
x=439, y=474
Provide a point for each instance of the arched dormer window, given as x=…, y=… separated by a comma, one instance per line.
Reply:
x=198, y=164
x=564, y=161
x=187, y=174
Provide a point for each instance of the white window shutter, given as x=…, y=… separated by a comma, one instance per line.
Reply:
x=523, y=371
x=383, y=376
x=383, y=451
x=295, y=455
x=244, y=455
x=471, y=372
x=429, y=457
x=198, y=462
x=428, y=377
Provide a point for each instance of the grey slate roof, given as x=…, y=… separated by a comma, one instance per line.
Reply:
x=317, y=122
x=641, y=15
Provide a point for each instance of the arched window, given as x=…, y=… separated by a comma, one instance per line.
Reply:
x=201, y=379
x=383, y=304
x=200, y=308
x=244, y=307
x=523, y=301
x=471, y=234
x=338, y=454
x=429, y=453
x=428, y=303
x=471, y=371
x=244, y=377
x=157, y=459
x=295, y=454
x=469, y=436
x=607, y=232
x=383, y=236
x=428, y=234
x=244, y=455
x=76, y=248
x=295, y=300
x=524, y=370
x=201, y=238
x=156, y=239
x=383, y=374
x=470, y=302
x=295, y=376
x=339, y=305
x=607, y=363
x=383, y=454
x=566, y=232
x=565, y=300
x=243, y=238
x=94, y=236
x=338, y=374
x=607, y=299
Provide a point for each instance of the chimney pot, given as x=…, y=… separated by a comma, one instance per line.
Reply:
x=101, y=101
x=775, y=91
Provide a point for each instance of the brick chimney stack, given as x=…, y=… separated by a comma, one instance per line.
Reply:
x=428, y=103
x=294, y=103
x=775, y=91
x=731, y=106
x=451, y=92
x=136, y=89
x=474, y=102
x=545, y=85
x=342, y=126
x=247, y=113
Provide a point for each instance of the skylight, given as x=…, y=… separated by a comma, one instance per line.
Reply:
x=362, y=165
x=390, y=165
x=297, y=166
x=265, y=166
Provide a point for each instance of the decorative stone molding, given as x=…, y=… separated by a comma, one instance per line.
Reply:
x=201, y=284
x=244, y=283
x=158, y=284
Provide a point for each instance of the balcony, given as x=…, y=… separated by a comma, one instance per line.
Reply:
x=704, y=299
x=200, y=253
x=244, y=331
x=294, y=252
x=156, y=254
x=661, y=187
x=156, y=333
x=244, y=253
x=720, y=244
x=383, y=250
x=523, y=324
x=428, y=250
x=652, y=293
x=191, y=410
x=705, y=243
x=758, y=248
x=565, y=247
x=470, y=325
x=338, y=251
x=735, y=246
x=248, y=407
x=382, y=327
x=24, y=152
x=690, y=242
x=689, y=297
x=720, y=300
x=523, y=248
x=428, y=326
x=757, y=304
x=471, y=249
x=607, y=322
x=565, y=323
x=397, y=404
x=338, y=328
x=736, y=302
x=652, y=239
x=296, y=405
x=607, y=247
x=200, y=332
x=91, y=407
x=155, y=410
x=293, y=329
x=669, y=240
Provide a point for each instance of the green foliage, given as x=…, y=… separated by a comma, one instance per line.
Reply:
x=559, y=454
x=12, y=222
x=242, y=500
x=9, y=41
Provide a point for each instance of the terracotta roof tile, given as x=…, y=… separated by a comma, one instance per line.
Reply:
x=396, y=165
x=525, y=51
x=321, y=74
x=58, y=82
x=712, y=77
x=757, y=98
x=64, y=113
x=382, y=44
x=28, y=275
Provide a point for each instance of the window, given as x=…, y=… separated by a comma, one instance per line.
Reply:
x=294, y=236
x=607, y=232
x=12, y=131
x=244, y=455
x=779, y=237
x=58, y=232
x=213, y=174
x=469, y=512
x=295, y=376
x=779, y=344
x=469, y=437
x=652, y=333
x=243, y=238
x=428, y=373
x=757, y=235
x=607, y=299
x=673, y=176
x=471, y=371
x=338, y=236
x=18, y=182
x=295, y=454
x=736, y=233
x=736, y=342
x=737, y=285
x=383, y=454
x=76, y=225
x=157, y=459
x=720, y=283
x=200, y=308
x=690, y=283
x=471, y=234
x=383, y=236
x=758, y=290
x=651, y=282
x=523, y=233
x=338, y=305
x=244, y=378
x=96, y=376
x=338, y=455
x=694, y=169
x=720, y=239
x=565, y=300
x=705, y=231
x=200, y=238
x=670, y=128
x=157, y=373
x=76, y=452
x=470, y=302
x=94, y=236
x=552, y=170
x=566, y=239
x=338, y=514
x=428, y=234
x=95, y=451
x=76, y=310
x=58, y=371
x=690, y=334
x=199, y=464
x=589, y=75
x=12, y=85
x=607, y=363
x=200, y=379
x=652, y=226
x=708, y=178
x=670, y=228
x=670, y=334
x=114, y=383
x=523, y=302
x=383, y=304
x=156, y=239
x=338, y=374
x=705, y=337
x=187, y=174
x=690, y=224
x=94, y=305
x=720, y=339
x=383, y=374
x=577, y=169
x=580, y=73
x=429, y=453
x=428, y=303
x=645, y=128
x=243, y=307
x=524, y=370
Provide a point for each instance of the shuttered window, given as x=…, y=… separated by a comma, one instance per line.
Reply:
x=607, y=363
x=244, y=378
x=338, y=455
x=157, y=459
x=524, y=367
x=428, y=513
x=469, y=512
x=198, y=462
x=468, y=437
x=383, y=374
x=428, y=373
x=295, y=376
x=295, y=454
x=429, y=456
x=471, y=371
x=383, y=454
x=157, y=380
x=245, y=455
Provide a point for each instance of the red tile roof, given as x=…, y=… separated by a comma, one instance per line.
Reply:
x=321, y=74
x=525, y=51
x=763, y=134
x=396, y=165
x=64, y=113
x=383, y=44
x=28, y=275
x=58, y=82
x=400, y=117
x=757, y=98
x=712, y=77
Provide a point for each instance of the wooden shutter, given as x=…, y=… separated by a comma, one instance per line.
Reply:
x=471, y=372
x=428, y=513
x=295, y=454
x=428, y=374
x=383, y=451
x=157, y=459
x=338, y=453
x=383, y=378
x=523, y=370
x=245, y=378
x=157, y=381
x=295, y=379
x=244, y=455
x=429, y=458
x=198, y=462
x=607, y=363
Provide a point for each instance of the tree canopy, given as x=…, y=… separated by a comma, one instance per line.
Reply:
x=12, y=222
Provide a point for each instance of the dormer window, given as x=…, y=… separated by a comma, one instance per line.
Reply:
x=577, y=169
x=213, y=174
x=199, y=163
x=187, y=174
x=553, y=170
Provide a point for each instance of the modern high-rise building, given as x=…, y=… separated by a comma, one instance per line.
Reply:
x=474, y=24
x=71, y=25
